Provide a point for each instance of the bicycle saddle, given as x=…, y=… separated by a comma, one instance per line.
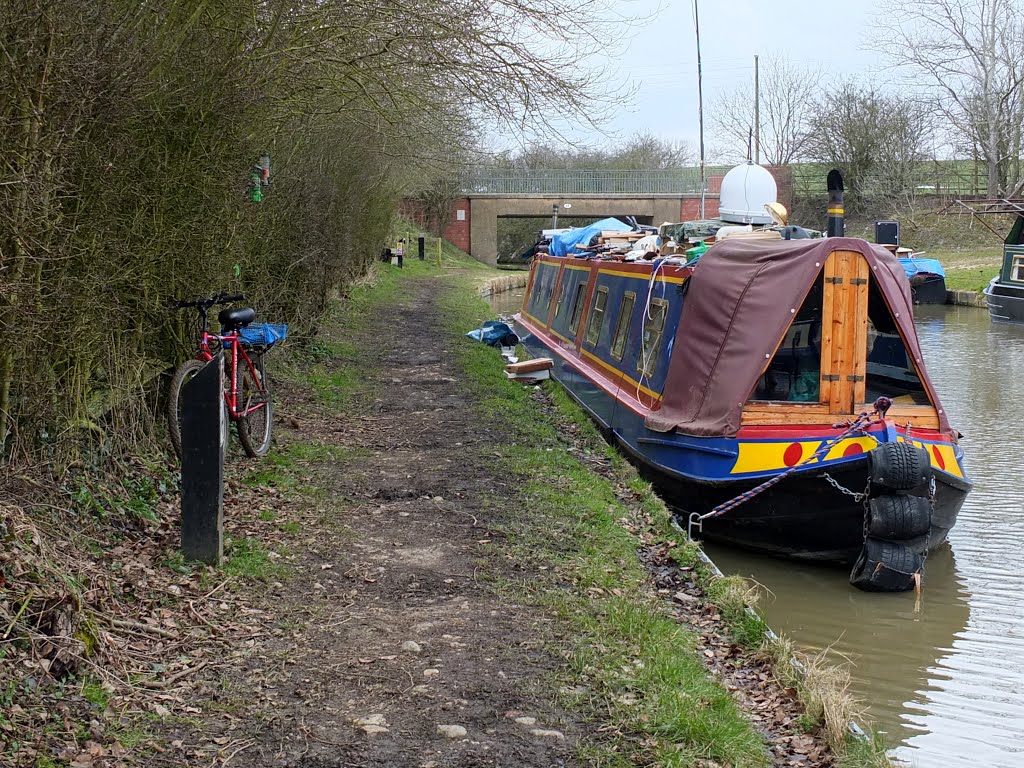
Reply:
x=236, y=317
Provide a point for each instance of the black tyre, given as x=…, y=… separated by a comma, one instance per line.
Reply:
x=898, y=518
x=183, y=375
x=885, y=566
x=254, y=395
x=919, y=545
x=900, y=467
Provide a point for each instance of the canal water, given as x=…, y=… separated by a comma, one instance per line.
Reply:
x=944, y=684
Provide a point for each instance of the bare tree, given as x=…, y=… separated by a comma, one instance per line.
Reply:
x=877, y=140
x=969, y=54
x=642, y=151
x=787, y=98
x=645, y=151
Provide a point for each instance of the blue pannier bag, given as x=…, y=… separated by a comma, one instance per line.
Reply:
x=262, y=335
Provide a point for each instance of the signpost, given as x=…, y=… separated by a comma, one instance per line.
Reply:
x=203, y=432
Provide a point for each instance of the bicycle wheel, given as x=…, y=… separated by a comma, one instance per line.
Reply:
x=184, y=374
x=254, y=393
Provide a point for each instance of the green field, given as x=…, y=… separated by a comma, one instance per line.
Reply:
x=969, y=269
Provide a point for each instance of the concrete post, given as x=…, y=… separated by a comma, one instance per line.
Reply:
x=202, y=464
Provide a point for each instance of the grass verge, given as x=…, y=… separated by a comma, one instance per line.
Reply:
x=638, y=666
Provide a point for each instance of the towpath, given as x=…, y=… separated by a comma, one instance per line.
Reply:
x=397, y=621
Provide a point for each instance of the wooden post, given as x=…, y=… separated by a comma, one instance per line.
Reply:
x=202, y=464
x=438, y=251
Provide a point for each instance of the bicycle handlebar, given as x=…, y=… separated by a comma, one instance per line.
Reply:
x=218, y=298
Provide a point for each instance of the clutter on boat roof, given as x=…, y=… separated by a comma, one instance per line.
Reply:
x=749, y=208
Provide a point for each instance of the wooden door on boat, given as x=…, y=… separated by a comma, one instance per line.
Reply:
x=844, y=331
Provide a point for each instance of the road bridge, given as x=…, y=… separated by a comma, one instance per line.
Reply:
x=653, y=197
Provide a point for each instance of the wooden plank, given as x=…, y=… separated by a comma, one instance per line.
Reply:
x=921, y=416
x=530, y=366
x=860, y=319
x=767, y=414
x=842, y=350
x=763, y=414
x=825, y=386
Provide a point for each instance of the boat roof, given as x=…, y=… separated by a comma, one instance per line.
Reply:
x=740, y=302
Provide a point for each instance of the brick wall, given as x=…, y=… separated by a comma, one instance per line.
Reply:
x=457, y=231
x=689, y=209
x=783, y=175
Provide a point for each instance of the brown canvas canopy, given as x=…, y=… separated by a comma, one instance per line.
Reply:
x=739, y=305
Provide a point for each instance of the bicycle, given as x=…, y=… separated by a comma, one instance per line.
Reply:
x=247, y=400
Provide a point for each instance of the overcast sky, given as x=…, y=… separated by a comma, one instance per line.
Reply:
x=660, y=57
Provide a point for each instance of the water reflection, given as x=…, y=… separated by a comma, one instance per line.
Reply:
x=945, y=685
x=507, y=303
x=892, y=650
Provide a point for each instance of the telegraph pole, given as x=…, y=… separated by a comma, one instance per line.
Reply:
x=700, y=109
x=757, y=113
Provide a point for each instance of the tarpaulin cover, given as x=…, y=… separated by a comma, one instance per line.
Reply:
x=562, y=244
x=738, y=306
x=495, y=333
x=922, y=266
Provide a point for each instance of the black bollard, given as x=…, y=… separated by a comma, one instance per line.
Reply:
x=202, y=464
x=421, y=246
x=836, y=227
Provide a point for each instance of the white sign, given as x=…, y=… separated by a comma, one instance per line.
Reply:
x=460, y=215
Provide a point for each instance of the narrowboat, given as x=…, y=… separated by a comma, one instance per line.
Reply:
x=768, y=390
x=1005, y=293
x=927, y=278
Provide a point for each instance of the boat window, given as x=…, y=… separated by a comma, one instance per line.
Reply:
x=596, y=322
x=540, y=295
x=653, y=330
x=622, y=325
x=561, y=295
x=577, y=308
x=794, y=373
x=889, y=370
x=1017, y=269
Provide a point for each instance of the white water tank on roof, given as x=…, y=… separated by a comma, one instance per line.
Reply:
x=746, y=190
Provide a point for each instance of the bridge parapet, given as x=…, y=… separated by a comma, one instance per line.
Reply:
x=496, y=182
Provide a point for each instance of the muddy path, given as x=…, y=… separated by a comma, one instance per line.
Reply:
x=387, y=649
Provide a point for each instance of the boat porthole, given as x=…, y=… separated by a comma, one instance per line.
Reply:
x=938, y=457
x=794, y=452
x=853, y=449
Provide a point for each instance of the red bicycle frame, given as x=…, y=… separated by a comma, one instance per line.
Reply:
x=231, y=340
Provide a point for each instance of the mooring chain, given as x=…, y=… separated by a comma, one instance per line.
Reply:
x=843, y=489
x=855, y=426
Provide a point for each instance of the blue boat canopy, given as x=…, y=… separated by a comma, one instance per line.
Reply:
x=914, y=266
x=562, y=244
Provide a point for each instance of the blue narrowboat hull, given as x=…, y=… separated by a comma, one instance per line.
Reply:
x=805, y=516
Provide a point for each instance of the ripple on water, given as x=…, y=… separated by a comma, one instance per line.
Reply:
x=945, y=685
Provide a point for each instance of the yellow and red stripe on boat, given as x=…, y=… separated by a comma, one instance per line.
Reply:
x=766, y=456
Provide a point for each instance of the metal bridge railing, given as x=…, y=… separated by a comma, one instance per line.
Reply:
x=494, y=181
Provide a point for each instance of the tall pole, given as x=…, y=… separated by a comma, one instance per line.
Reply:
x=700, y=108
x=757, y=113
